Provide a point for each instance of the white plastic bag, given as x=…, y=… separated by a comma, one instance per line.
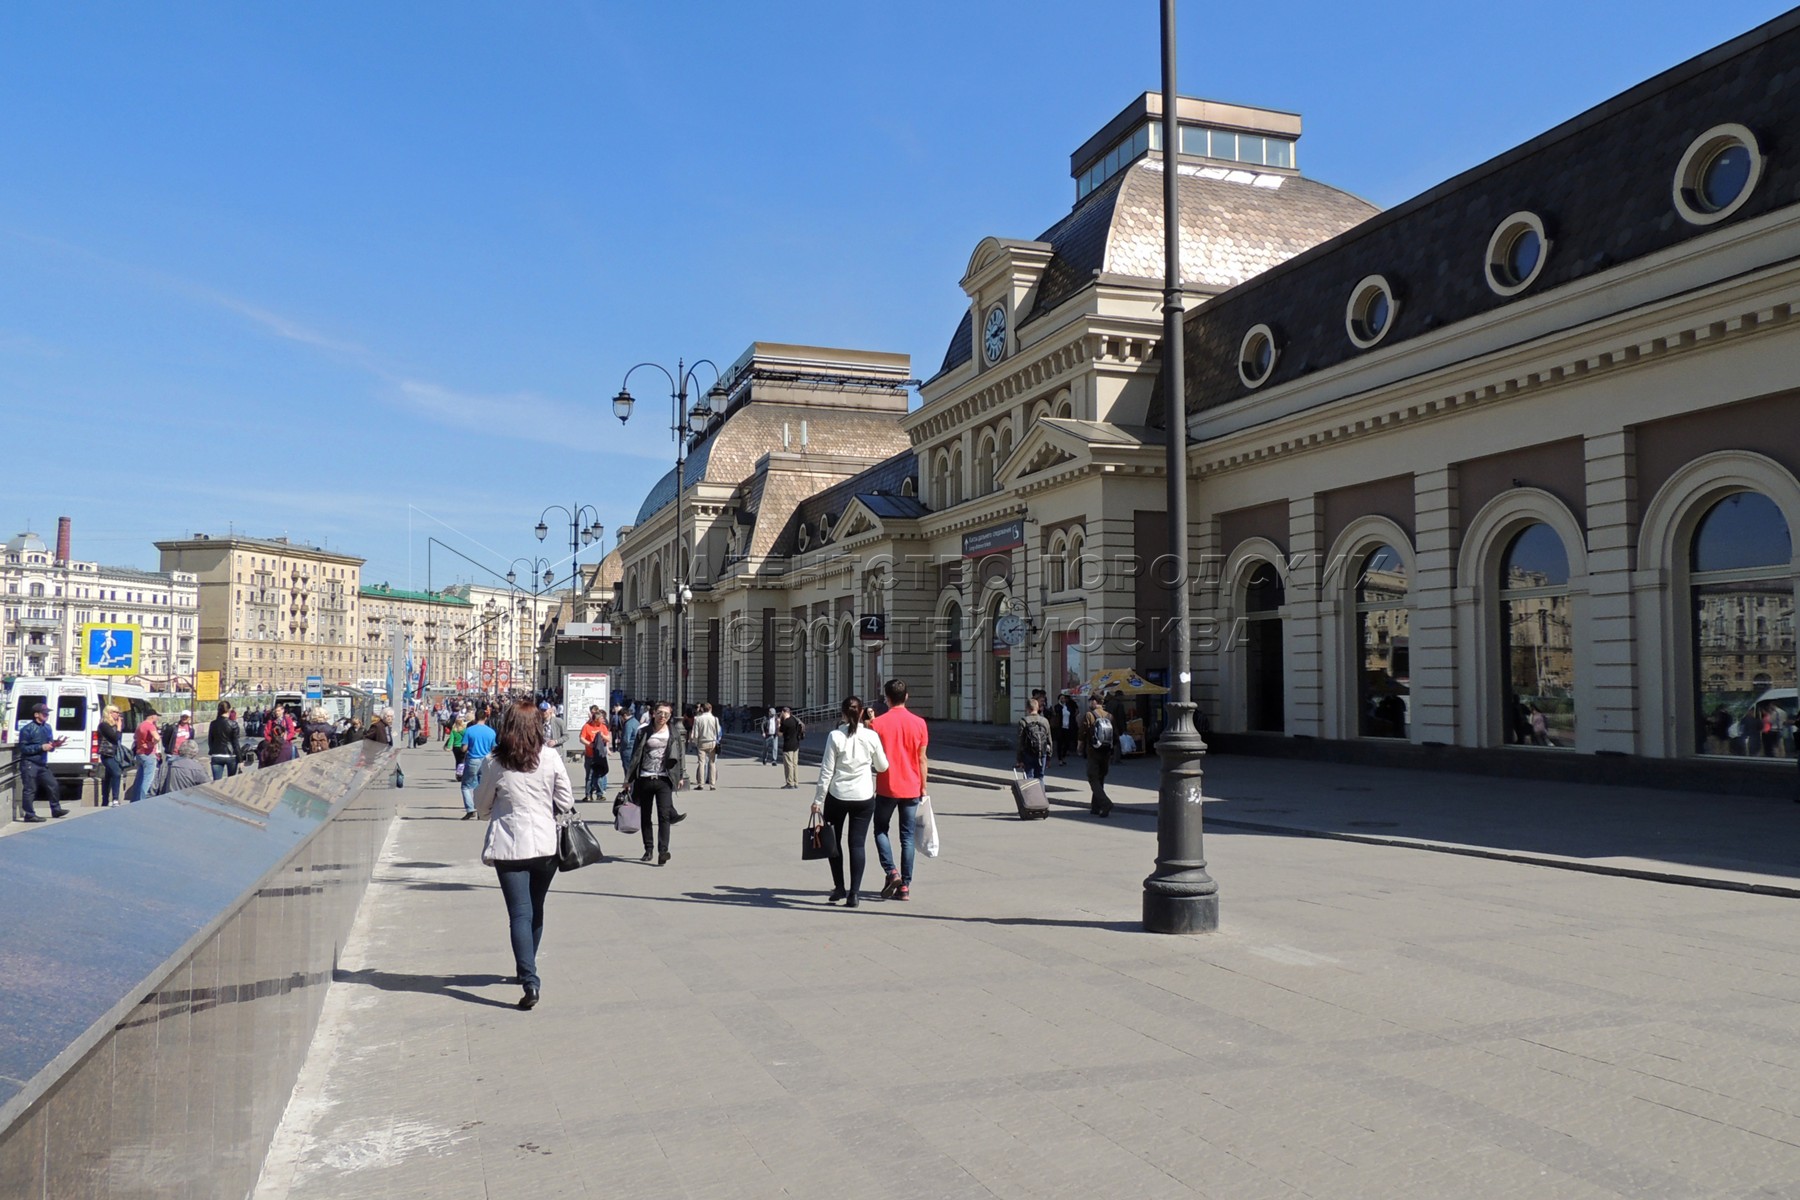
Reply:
x=928, y=831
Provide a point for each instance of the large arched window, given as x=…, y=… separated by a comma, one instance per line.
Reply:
x=984, y=464
x=1537, y=644
x=1265, y=701
x=1741, y=592
x=1056, y=564
x=1383, y=646
x=956, y=476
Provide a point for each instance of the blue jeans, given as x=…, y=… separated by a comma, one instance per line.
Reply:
x=111, y=780
x=597, y=770
x=471, y=778
x=524, y=883
x=770, y=746
x=145, y=778
x=1034, y=767
x=885, y=807
x=39, y=783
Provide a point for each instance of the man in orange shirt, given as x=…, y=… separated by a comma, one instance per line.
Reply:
x=596, y=736
x=899, y=788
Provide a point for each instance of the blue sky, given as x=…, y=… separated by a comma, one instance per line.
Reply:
x=338, y=269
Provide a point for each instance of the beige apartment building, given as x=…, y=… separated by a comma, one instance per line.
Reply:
x=272, y=611
x=435, y=623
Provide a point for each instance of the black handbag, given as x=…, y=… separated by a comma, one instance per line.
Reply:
x=577, y=846
x=818, y=840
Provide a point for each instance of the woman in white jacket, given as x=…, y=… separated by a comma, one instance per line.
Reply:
x=525, y=789
x=846, y=794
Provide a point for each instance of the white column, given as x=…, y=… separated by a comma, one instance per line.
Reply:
x=1609, y=633
x=1303, y=668
x=1433, y=621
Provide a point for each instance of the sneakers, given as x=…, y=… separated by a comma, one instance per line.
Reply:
x=892, y=885
x=905, y=892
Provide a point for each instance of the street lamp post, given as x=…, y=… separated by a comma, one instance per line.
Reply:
x=534, y=566
x=579, y=535
x=1179, y=895
x=682, y=422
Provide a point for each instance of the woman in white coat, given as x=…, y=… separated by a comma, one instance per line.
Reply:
x=524, y=789
x=846, y=795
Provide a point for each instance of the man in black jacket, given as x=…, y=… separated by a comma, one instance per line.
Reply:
x=222, y=743
x=790, y=729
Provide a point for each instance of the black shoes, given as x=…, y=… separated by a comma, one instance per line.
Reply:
x=662, y=859
x=55, y=813
x=837, y=896
x=677, y=818
x=32, y=819
x=853, y=902
x=468, y=816
x=891, y=886
x=647, y=856
x=529, y=999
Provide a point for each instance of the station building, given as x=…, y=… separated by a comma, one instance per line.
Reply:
x=1507, y=472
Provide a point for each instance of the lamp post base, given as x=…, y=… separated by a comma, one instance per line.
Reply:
x=1179, y=896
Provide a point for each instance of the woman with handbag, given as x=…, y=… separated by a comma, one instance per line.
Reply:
x=657, y=766
x=846, y=795
x=523, y=792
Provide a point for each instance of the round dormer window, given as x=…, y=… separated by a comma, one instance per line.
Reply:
x=1717, y=174
x=1370, y=313
x=1516, y=253
x=1256, y=356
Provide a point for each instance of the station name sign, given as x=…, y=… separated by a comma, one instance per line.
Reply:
x=995, y=539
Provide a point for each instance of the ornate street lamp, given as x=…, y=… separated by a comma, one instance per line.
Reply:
x=684, y=422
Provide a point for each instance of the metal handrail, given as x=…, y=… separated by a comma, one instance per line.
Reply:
x=11, y=778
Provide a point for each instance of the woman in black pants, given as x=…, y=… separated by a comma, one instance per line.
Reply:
x=658, y=758
x=846, y=795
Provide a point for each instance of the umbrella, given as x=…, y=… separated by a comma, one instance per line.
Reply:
x=1123, y=680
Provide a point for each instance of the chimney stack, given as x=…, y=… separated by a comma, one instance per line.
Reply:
x=62, y=539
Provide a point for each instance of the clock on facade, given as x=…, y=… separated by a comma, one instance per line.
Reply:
x=993, y=333
x=1010, y=630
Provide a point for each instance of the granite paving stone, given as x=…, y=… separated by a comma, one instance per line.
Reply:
x=1370, y=1021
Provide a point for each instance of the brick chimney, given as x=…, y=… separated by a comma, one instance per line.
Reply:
x=62, y=539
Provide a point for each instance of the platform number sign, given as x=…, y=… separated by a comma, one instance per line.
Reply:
x=109, y=649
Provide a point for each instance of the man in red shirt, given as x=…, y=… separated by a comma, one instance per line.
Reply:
x=904, y=739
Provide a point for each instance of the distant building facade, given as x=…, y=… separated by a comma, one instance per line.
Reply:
x=436, y=625
x=49, y=595
x=272, y=611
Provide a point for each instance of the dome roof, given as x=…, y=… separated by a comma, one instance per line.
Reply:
x=26, y=543
x=1235, y=224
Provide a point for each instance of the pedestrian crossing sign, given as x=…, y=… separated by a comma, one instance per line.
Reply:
x=109, y=649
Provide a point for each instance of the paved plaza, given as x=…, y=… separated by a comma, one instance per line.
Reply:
x=1372, y=1020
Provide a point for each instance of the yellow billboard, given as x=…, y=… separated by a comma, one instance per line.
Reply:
x=109, y=649
x=206, y=686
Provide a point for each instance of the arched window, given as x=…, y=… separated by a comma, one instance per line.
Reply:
x=1741, y=593
x=1383, y=646
x=1039, y=411
x=1079, y=576
x=984, y=464
x=1006, y=445
x=1265, y=704
x=956, y=476
x=1056, y=565
x=1537, y=642
x=1065, y=407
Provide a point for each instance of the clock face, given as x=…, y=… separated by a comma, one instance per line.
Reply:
x=993, y=334
x=1010, y=629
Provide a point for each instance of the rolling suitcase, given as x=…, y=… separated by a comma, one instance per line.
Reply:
x=1028, y=795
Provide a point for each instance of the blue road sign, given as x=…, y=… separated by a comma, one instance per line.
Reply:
x=109, y=649
x=315, y=687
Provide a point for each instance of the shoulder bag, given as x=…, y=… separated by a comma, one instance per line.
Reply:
x=818, y=840
x=576, y=846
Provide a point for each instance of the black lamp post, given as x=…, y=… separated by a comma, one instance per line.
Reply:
x=584, y=530
x=682, y=422
x=537, y=568
x=1179, y=895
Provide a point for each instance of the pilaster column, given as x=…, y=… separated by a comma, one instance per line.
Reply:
x=1304, y=668
x=1432, y=622
x=1610, y=633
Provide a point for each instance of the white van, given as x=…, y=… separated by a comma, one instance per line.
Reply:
x=77, y=702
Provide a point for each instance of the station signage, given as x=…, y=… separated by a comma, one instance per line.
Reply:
x=995, y=539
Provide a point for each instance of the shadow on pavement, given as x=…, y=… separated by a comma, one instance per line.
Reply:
x=429, y=985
